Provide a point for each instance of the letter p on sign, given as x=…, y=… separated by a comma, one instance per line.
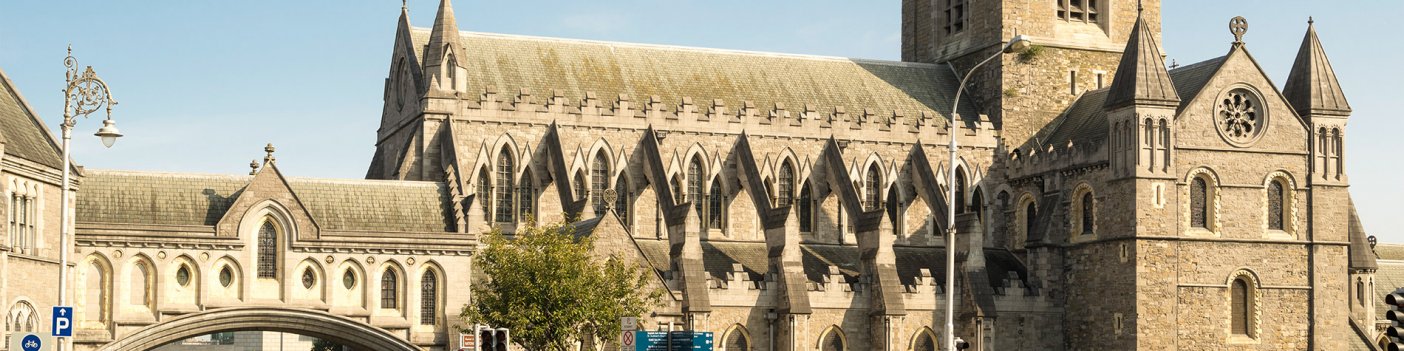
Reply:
x=63, y=321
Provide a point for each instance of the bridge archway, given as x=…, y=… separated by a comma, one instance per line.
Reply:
x=341, y=330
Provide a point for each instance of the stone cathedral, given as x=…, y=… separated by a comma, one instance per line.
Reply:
x=789, y=202
x=1103, y=200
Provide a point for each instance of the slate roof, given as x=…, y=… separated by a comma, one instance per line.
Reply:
x=1190, y=79
x=1140, y=76
x=1361, y=256
x=1084, y=120
x=1390, y=276
x=150, y=198
x=509, y=62
x=1312, y=84
x=22, y=132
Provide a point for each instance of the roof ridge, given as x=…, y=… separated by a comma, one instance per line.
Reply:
x=249, y=177
x=695, y=49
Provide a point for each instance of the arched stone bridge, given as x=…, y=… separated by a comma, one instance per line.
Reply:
x=375, y=265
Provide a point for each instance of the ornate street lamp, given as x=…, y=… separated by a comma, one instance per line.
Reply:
x=1019, y=43
x=84, y=94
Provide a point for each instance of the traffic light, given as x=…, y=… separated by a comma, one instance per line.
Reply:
x=490, y=339
x=961, y=344
x=1395, y=315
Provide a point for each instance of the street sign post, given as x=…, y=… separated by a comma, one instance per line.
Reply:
x=678, y=340
x=24, y=341
x=627, y=326
x=63, y=321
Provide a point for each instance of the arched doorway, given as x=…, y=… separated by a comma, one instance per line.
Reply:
x=314, y=323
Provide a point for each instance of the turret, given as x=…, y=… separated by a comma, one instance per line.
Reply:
x=1315, y=93
x=445, y=53
x=1140, y=109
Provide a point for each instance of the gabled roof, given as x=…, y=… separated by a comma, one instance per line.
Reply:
x=151, y=198
x=22, y=132
x=1190, y=79
x=1312, y=86
x=574, y=67
x=1085, y=120
x=1141, y=77
x=1361, y=255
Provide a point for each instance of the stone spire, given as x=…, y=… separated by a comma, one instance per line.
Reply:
x=1312, y=87
x=1141, y=77
x=443, y=41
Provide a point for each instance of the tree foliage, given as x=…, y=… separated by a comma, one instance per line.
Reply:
x=325, y=345
x=547, y=287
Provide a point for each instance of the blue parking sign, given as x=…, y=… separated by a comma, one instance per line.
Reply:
x=63, y=321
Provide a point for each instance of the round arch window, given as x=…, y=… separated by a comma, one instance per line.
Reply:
x=308, y=278
x=183, y=275
x=1240, y=117
x=226, y=276
x=349, y=279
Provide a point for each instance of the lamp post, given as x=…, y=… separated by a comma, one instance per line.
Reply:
x=84, y=94
x=1019, y=43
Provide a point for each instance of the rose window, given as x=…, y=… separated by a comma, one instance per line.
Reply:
x=1240, y=117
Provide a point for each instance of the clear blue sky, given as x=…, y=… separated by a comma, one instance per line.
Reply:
x=205, y=84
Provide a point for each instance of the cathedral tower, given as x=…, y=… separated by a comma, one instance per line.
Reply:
x=1077, y=44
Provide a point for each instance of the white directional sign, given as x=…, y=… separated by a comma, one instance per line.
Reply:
x=63, y=321
x=23, y=341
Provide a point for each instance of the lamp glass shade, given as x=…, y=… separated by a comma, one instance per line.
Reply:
x=1019, y=43
x=108, y=133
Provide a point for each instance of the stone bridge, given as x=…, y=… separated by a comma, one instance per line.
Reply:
x=375, y=265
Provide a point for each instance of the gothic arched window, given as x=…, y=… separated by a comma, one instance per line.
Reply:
x=1199, y=203
x=451, y=69
x=621, y=199
x=1087, y=213
x=1030, y=223
x=737, y=340
x=833, y=340
x=268, y=250
x=676, y=184
x=806, y=209
x=526, y=196
x=428, y=298
x=1241, y=307
x=389, y=289
x=599, y=181
x=22, y=317
x=787, y=184
x=714, y=205
x=505, y=177
x=484, y=193
x=580, y=187
x=1276, y=210
x=924, y=341
x=694, y=185
x=960, y=190
x=872, y=189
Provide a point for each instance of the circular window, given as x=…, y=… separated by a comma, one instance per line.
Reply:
x=226, y=276
x=308, y=278
x=183, y=275
x=1241, y=117
x=349, y=279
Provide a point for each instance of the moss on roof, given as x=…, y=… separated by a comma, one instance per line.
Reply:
x=21, y=131
x=148, y=198
x=575, y=67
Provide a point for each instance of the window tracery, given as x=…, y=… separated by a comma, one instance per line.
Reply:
x=599, y=181
x=1241, y=117
x=268, y=250
x=506, y=168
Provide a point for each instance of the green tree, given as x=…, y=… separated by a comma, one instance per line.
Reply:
x=324, y=345
x=550, y=291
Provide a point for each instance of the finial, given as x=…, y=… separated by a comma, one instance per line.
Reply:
x=1139, y=7
x=269, y=149
x=1238, y=26
x=1310, y=20
x=404, y=5
x=1174, y=64
x=253, y=167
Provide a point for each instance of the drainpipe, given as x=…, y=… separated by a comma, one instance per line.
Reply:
x=887, y=333
x=770, y=323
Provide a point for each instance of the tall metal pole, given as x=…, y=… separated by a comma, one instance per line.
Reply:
x=83, y=94
x=954, y=126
